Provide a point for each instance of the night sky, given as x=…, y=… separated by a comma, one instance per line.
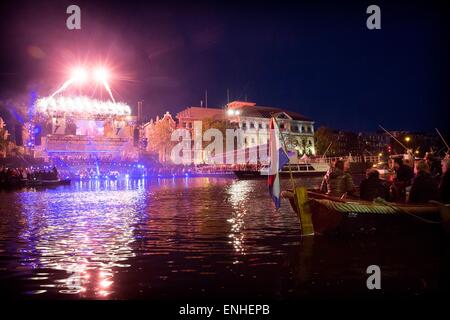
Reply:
x=316, y=58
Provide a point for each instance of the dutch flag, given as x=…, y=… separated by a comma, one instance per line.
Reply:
x=278, y=158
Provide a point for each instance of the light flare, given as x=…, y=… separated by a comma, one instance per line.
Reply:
x=63, y=87
x=106, y=85
x=81, y=105
x=80, y=76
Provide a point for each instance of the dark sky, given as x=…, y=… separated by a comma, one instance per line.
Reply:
x=316, y=58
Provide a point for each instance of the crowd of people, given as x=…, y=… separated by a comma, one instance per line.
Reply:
x=429, y=180
x=10, y=177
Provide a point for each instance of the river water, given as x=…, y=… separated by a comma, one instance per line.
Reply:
x=202, y=238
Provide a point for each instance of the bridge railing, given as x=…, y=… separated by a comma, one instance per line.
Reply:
x=366, y=159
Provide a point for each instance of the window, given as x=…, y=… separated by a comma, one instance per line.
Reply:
x=244, y=125
x=253, y=140
x=260, y=126
x=252, y=125
x=303, y=129
x=309, y=129
x=281, y=125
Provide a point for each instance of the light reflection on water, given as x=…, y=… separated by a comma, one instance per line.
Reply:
x=189, y=237
x=86, y=234
x=73, y=240
x=238, y=193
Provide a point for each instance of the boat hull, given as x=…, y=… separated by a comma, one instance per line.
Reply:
x=331, y=215
x=48, y=183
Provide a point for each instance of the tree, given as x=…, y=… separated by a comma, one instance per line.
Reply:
x=3, y=138
x=160, y=139
x=323, y=137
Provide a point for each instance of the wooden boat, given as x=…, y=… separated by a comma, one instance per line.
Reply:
x=330, y=215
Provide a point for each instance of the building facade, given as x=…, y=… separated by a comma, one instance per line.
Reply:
x=296, y=130
x=187, y=116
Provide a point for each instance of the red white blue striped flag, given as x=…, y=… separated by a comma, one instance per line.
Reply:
x=277, y=158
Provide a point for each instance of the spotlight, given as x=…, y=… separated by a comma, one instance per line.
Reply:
x=79, y=75
x=101, y=74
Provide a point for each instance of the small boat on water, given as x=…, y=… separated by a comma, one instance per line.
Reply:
x=297, y=170
x=330, y=215
x=47, y=183
x=17, y=184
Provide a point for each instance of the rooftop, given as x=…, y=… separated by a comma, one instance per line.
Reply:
x=201, y=113
x=246, y=109
x=268, y=112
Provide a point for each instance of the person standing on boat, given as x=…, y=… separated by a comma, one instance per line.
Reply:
x=444, y=186
x=434, y=164
x=424, y=187
x=373, y=187
x=337, y=182
x=403, y=172
x=54, y=173
x=403, y=176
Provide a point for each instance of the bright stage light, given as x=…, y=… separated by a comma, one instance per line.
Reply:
x=81, y=106
x=101, y=74
x=79, y=75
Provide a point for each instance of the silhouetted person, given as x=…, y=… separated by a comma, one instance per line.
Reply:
x=444, y=186
x=403, y=172
x=373, y=187
x=403, y=176
x=337, y=182
x=54, y=173
x=435, y=166
x=424, y=187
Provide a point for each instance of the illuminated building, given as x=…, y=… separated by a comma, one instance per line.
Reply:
x=253, y=120
x=187, y=116
x=297, y=130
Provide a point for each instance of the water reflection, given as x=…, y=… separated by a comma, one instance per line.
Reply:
x=238, y=193
x=85, y=235
x=201, y=237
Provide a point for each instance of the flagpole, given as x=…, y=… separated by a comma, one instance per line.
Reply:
x=392, y=136
x=285, y=148
x=442, y=138
x=300, y=199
